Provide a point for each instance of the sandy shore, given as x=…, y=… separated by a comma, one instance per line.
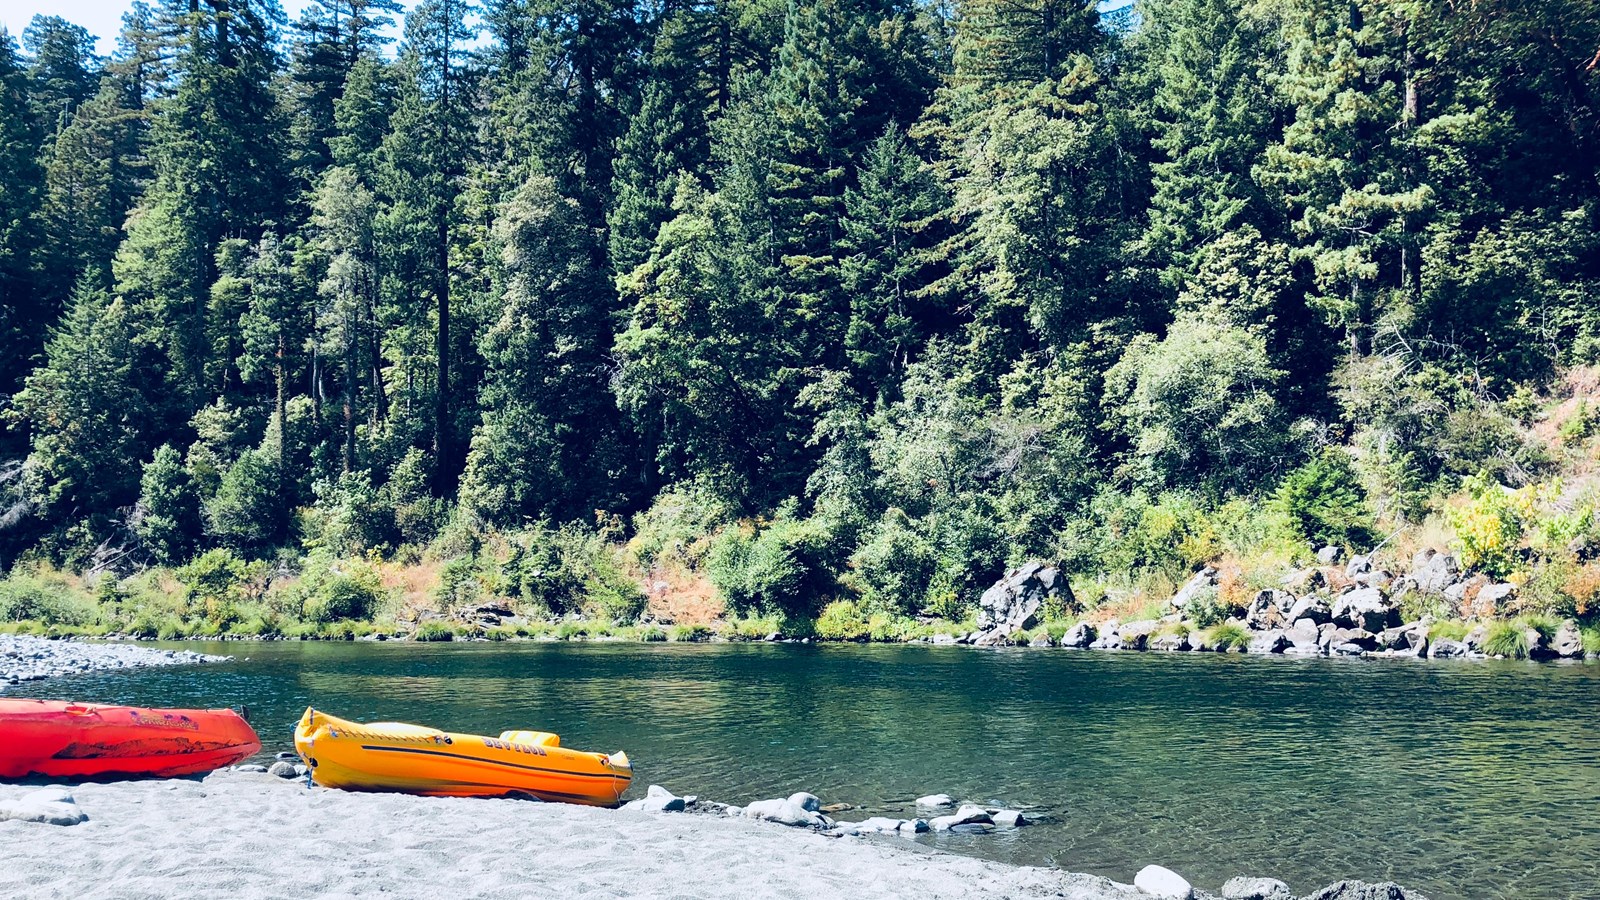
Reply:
x=237, y=835
x=27, y=658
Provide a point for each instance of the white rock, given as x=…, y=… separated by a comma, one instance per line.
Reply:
x=936, y=801
x=966, y=815
x=1010, y=817
x=251, y=767
x=809, y=802
x=874, y=825
x=49, y=806
x=785, y=812
x=1159, y=882
x=657, y=799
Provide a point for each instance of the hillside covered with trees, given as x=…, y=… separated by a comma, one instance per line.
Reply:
x=777, y=304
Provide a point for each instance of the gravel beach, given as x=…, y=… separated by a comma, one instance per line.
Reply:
x=27, y=658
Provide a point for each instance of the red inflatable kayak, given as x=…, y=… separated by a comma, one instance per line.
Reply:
x=57, y=739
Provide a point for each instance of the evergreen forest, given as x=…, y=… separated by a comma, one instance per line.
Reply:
x=817, y=314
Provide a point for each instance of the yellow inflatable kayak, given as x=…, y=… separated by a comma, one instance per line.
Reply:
x=391, y=756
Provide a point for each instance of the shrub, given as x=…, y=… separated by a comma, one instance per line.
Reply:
x=781, y=568
x=1229, y=636
x=354, y=592
x=1448, y=630
x=1488, y=526
x=42, y=596
x=1506, y=639
x=1208, y=608
x=568, y=569
x=677, y=527
x=434, y=631
x=1591, y=641
x=167, y=517
x=571, y=630
x=652, y=634
x=894, y=567
x=217, y=582
x=843, y=620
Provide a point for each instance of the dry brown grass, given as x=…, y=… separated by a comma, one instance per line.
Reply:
x=412, y=585
x=680, y=596
x=1583, y=586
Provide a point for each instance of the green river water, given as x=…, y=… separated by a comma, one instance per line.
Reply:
x=1462, y=779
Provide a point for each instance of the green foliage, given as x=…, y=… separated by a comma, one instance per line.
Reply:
x=1228, y=637
x=690, y=633
x=781, y=567
x=217, y=583
x=568, y=569
x=247, y=512
x=1506, y=639
x=336, y=590
x=434, y=631
x=1323, y=502
x=1448, y=630
x=44, y=597
x=844, y=620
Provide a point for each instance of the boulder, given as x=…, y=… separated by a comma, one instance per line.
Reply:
x=1366, y=608
x=1012, y=604
x=252, y=768
x=1242, y=888
x=1042, y=639
x=1109, y=639
x=1495, y=599
x=1009, y=817
x=657, y=799
x=1568, y=642
x=936, y=801
x=1475, y=638
x=1304, y=637
x=966, y=815
x=1305, y=581
x=1347, y=649
x=1463, y=595
x=48, y=806
x=1266, y=610
x=1170, y=642
x=1538, y=644
x=1358, y=565
x=1274, y=641
x=1314, y=608
x=1362, y=638
x=786, y=812
x=807, y=802
x=1135, y=635
x=874, y=825
x=1433, y=571
x=1201, y=581
x=1079, y=636
x=1330, y=555
x=1159, y=882
x=1361, y=890
x=1446, y=649
x=282, y=769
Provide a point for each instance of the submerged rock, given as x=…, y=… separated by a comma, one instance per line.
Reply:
x=1361, y=890
x=1009, y=817
x=936, y=801
x=1161, y=882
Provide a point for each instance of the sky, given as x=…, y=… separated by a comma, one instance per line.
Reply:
x=103, y=18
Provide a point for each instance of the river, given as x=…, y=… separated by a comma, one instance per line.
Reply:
x=1472, y=779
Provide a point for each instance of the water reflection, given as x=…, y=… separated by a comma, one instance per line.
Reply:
x=1465, y=780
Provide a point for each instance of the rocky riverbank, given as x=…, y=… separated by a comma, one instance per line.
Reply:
x=141, y=838
x=1338, y=608
x=25, y=658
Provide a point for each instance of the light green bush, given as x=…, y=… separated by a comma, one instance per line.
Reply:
x=843, y=620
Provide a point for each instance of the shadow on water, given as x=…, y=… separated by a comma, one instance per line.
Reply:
x=1475, y=779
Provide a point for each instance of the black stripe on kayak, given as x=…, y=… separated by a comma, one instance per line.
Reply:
x=493, y=762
